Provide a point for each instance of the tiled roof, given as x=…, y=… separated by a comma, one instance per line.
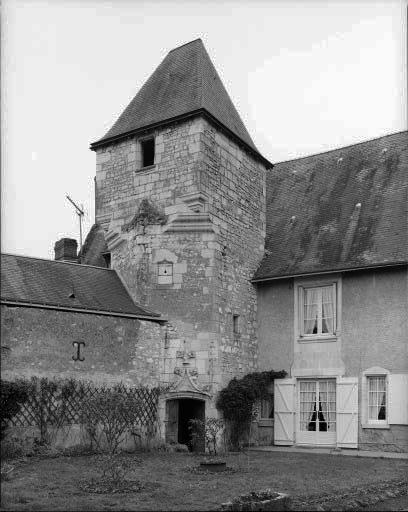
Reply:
x=94, y=247
x=338, y=210
x=186, y=81
x=66, y=285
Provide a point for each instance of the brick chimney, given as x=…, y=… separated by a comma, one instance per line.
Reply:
x=66, y=250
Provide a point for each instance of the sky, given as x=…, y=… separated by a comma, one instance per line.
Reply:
x=306, y=77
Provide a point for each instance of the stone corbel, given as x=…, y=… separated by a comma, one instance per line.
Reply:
x=195, y=216
x=196, y=202
x=113, y=239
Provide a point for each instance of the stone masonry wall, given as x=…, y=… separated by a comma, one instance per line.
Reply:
x=188, y=303
x=121, y=183
x=39, y=343
x=235, y=184
x=213, y=260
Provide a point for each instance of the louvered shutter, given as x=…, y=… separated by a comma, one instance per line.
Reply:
x=284, y=405
x=347, y=412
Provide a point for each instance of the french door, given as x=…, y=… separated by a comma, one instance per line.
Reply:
x=316, y=424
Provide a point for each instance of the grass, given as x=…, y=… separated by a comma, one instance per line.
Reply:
x=53, y=484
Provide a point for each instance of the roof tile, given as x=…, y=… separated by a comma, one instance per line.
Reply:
x=185, y=81
x=342, y=209
x=66, y=285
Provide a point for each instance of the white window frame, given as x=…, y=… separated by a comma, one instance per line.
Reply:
x=366, y=421
x=319, y=282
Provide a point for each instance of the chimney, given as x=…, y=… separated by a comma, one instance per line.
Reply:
x=66, y=250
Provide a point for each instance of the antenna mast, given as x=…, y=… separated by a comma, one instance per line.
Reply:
x=80, y=212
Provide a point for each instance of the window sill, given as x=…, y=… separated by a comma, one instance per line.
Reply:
x=147, y=168
x=265, y=422
x=318, y=339
x=384, y=426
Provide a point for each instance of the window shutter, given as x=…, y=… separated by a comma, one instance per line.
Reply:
x=347, y=412
x=284, y=400
x=398, y=399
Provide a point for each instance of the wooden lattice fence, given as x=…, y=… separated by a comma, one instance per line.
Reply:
x=54, y=407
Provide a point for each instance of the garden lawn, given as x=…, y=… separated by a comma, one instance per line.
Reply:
x=54, y=484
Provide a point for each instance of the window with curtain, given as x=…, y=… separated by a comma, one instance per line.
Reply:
x=267, y=408
x=319, y=310
x=377, y=399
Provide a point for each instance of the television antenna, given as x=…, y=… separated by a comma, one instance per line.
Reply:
x=80, y=212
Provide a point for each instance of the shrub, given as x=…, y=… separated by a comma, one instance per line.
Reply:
x=237, y=400
x=206, y=430
x=77, y=450
x=48, y=402
x=108, y=415
x=13, y=395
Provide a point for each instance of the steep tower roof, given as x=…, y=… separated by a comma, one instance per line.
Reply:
x=186, y=83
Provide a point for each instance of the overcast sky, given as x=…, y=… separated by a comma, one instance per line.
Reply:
x=306, y=77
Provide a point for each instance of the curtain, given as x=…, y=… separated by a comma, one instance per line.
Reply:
x=311, y=303
x=377, y=398
x=381, y=398
x=327, y=310
x=307, y=405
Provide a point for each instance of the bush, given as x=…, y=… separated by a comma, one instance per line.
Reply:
x=49, y=403
x=108, y=415
x=13, y=395
x=237, y=400
x=206, y=430
x=77, y=450
x=12, y=448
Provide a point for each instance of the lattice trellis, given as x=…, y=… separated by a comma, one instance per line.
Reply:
x=54, y=409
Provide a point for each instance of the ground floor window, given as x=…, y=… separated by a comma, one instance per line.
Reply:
x=377, y=399
x=266, y=409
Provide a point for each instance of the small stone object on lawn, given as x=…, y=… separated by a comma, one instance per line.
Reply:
x=261, y=500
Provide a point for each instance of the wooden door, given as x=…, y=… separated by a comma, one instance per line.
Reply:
x=347, y=412
x=172, y=414
x=284, y=405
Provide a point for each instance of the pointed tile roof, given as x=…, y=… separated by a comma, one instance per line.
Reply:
x=185, y=83
x=340, y=210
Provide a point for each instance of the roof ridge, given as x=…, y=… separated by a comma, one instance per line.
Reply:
x=55, y=261
x=200, y=77
x=339, y=148
x=185, y=44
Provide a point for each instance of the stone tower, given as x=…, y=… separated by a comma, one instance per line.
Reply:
x=180, y=193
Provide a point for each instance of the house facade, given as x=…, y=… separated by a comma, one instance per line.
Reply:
x=333, y=296
x=299, y=266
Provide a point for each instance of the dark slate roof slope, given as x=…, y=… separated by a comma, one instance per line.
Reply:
x=342, y=209
x=66, y=285
x=94, y=247
x=186, y=81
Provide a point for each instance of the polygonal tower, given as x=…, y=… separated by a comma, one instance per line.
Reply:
x=180, y=194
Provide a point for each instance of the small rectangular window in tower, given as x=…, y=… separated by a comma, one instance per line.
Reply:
x=147, y=152
x=235, y=325
x=107, y=258
x=165, y=272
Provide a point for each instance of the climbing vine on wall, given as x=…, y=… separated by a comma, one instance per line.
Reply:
x=236, y=401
